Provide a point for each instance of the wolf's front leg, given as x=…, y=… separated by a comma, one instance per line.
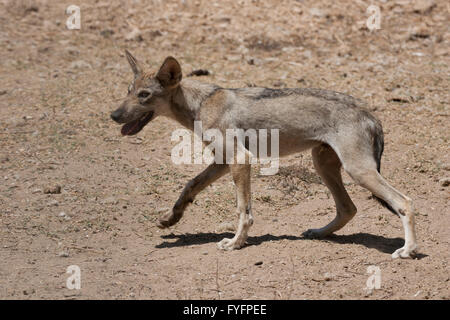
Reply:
x=200, y=182
x=241, y=178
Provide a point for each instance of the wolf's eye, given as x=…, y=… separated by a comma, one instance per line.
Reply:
x=143, y=94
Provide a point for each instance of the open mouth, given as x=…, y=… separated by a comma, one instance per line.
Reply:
x=133, y=127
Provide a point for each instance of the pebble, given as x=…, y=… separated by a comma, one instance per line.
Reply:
x=27, y=292
x=254, y=61
x=80, y=64
x=72, y=50
x=135, y=34
x=279, y=84
x=56, y=189
x=53, y=203
x=444, y=182
x=423, y=6
x=316, y=12
x=107, y=33
x=199, y=72
x=63, y=254
x=110, y=200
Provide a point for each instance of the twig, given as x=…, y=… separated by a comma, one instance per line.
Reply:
x=16, y=132
x=84, y=249
x=236, y=280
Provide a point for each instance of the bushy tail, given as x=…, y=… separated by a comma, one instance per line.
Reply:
x=378, y=148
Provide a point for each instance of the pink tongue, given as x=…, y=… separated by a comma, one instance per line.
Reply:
x=130, y=128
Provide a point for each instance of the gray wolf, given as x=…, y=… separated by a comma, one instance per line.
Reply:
x=340, y=132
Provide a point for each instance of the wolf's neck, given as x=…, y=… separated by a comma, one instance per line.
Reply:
x=188, y=99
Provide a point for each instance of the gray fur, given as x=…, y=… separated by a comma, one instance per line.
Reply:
x=336, y=126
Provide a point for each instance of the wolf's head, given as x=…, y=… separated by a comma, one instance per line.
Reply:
x=148, y=94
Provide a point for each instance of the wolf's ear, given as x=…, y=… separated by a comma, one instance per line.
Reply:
x=137, y=70
x=170, y=73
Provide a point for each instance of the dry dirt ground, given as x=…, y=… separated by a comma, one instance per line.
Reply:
x=58, y=86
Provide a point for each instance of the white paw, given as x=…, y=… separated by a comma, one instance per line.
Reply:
x=229, y=244
x=404, y=253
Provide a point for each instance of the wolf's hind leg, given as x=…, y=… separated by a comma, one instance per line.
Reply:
x=328, y=166
x=401, y=204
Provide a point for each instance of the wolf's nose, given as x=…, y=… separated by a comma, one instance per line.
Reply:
x=116, y=115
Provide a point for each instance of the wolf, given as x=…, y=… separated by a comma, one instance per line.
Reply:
x=336, y=126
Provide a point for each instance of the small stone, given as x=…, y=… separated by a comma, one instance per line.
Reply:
x=278, y=84
x=31, y=8
x=156, y=33
x=423, y=6
x=72, y=50
x=199, y=72
x=135, y=34
x=62, y=214
x=107, y=33
x=233, y=58
x=63, y=254
x=444, y=182
x=316, y=12
x=399, y=95
x=258, y=263
x=328, y=276
x=53, y=203
x=56, y=189
x=110, y=200
x=27, y=292
x=80, y=64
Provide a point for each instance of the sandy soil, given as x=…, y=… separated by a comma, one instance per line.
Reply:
x=58, y=86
